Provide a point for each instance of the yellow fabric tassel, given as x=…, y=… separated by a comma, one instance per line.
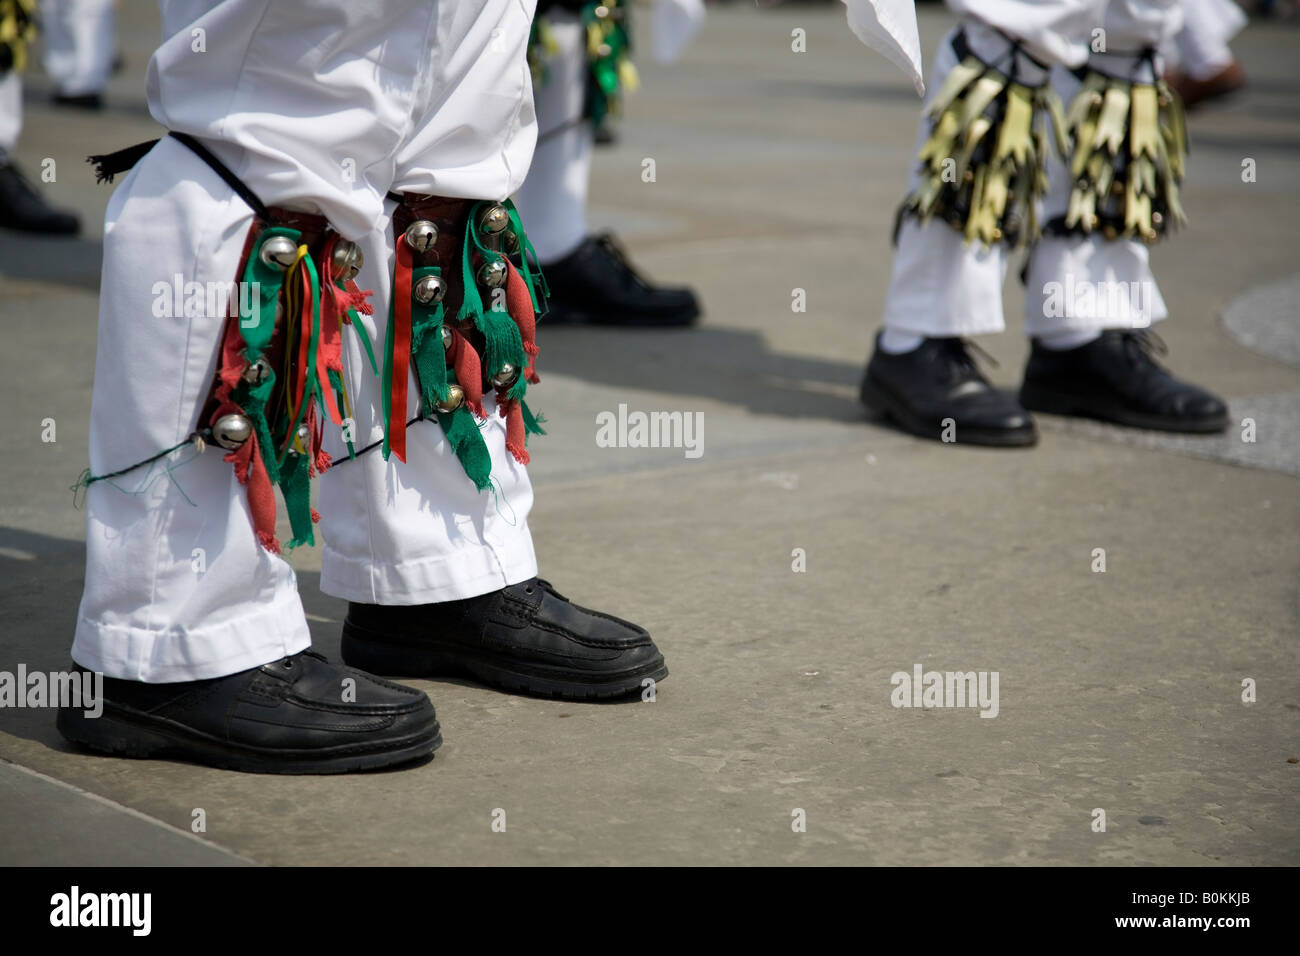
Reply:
x=1129, y=144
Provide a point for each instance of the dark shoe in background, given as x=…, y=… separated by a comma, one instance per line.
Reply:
x=1116, y=378
x=525, y=637
x=1195, y=92
x=22, y=206
x=936, y=391
x=81, y=101
x=301, y=714
x=596, y=285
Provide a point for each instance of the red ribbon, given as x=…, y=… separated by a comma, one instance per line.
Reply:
x=401, y=354
x=329, y=352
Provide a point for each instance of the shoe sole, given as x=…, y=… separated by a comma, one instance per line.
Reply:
x=126, y=733
x=1039, y=399
x=362, y=651
x=880, y=402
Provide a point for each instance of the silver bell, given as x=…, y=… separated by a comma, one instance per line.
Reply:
x=421, y=235
x=429, y=290
x=231, y=431
x=348, y=259
x=303, y=436
x=455, y=397
x=258, y=371
x=279, y=252
x=493, y=274
x=494, y=219
x=448, y=337
x=506, y=377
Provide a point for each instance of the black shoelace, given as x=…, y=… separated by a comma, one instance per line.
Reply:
x=957, y=353
x=1142, y=346
x=614, y=249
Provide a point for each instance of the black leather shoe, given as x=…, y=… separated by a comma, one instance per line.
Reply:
x=525, y=637
x=596, y=285
x=1116, y=378
x=80, y=101
x=23, y=207
x=293, y=716
x=938, y=380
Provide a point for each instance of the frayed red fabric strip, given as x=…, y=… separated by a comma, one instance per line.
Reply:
x=469, y=371
x=519, y=303
x=514, y=417
x=250, y=471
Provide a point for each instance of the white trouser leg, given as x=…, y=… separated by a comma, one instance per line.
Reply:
x=1088, y=283
x=79, y=44
x=420, y=532
x=444, y=80
x=941, y=285
x=177, y=586
x=553, y=199
x=11, y=111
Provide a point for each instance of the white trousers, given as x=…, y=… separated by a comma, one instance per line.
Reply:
x=80, y=41
x=11, y=111
x=942, y=286
x=324, y=109
x=553, y=199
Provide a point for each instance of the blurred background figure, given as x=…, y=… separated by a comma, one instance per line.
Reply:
x=80, y=40
x=581, y=61
x=1203, y=67
x=22, y=206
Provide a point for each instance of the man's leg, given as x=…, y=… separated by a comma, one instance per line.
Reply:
x=197, y=625
x=590, y=277
x=80, y=42
x=21, y=204
x=441, y=574
x=945, y=286
x=1090, y=294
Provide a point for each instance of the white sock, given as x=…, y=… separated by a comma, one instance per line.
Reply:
x=895, y=342
x=1060, y=341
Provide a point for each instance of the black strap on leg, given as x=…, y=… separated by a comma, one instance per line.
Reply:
x=222, y=170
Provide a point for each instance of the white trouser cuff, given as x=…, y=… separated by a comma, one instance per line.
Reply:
x=1089, y=284
x=271, y=632
x=429, y=580
x=942, y=286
